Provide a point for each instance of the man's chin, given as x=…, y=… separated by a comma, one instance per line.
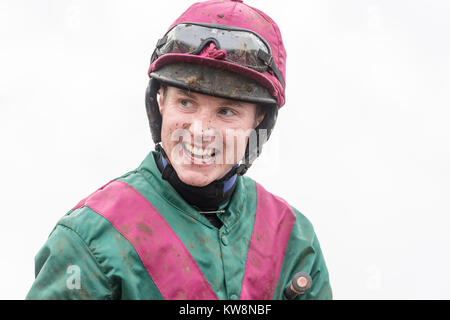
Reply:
x=195, y=179
x=199, y=175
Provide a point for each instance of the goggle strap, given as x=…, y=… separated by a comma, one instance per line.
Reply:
x=157, y=53
x=268, y=61
x=265, y=57
x=161, y=42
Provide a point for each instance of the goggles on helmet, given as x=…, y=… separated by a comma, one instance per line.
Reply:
x=243, y=47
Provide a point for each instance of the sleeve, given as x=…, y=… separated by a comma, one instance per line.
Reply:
x=65, y=268
x=304, y=253
x=321, y=288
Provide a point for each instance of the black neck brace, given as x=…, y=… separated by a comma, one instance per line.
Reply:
x=207, y=198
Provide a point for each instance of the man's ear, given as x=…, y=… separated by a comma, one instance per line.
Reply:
x=259, y=119
x=160, y=99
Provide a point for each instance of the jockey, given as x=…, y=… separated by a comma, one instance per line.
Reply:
x=188, y=223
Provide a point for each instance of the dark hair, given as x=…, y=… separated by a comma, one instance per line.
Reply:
x=164, y=91
x=261, y=109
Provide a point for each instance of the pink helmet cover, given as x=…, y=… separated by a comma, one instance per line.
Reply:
x=237, y=14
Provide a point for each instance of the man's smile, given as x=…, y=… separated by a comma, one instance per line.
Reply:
x=200, y=155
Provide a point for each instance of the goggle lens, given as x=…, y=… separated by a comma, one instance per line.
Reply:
x=242, y=46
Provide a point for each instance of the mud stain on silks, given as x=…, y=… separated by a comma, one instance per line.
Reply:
x=269, y=287
x=181, y=294
x=239, y=248
x=176, y=251
x=185, y=267
x=209, y=245
x=145, y=229
x=256, y=262
x=260, y=237
x=127, y=259
x=124, y=228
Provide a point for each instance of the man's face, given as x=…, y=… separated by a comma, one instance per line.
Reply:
x=204, y=136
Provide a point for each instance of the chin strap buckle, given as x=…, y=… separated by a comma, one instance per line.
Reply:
x=242, y=169
x=159, y=148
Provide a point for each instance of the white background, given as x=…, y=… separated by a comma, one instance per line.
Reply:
x=362, y=146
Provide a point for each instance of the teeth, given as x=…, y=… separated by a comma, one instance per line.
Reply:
x=199, y=151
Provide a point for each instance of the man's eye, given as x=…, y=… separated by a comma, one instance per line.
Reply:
x=227, y=112
x=185, y=103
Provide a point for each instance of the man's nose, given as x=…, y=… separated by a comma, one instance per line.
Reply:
x=202, y=127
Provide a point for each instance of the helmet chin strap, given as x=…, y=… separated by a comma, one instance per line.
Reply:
x=206, y=198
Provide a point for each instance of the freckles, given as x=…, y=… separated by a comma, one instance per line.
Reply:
x=169, y=133
x=179, y=125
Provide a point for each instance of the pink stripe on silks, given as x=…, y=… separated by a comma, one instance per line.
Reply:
x=169, y=263
x=83, y=201
x=273, y=224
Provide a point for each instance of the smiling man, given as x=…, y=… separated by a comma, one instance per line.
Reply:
x=214, y=133
x=188, y=223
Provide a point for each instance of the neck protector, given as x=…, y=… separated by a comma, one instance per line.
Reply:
x=207, y=198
